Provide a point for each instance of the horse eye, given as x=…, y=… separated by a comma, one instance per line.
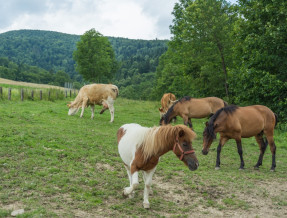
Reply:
x=185, y=144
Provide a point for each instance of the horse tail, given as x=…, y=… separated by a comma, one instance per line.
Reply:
x=276, y=119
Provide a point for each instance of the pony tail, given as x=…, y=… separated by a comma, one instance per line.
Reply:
x=276, y=119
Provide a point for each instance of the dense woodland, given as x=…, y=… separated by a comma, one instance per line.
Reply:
x=236, y=52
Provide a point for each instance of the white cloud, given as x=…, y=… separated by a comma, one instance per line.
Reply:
x=138, y=19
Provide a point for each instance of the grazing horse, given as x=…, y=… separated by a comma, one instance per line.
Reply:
x=188, y=108
x=167, y=101
x=233, y=122
x=140, y=149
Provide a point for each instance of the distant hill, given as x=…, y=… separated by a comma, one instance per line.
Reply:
x=53, y=51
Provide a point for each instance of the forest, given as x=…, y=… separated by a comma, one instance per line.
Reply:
x=234, y=51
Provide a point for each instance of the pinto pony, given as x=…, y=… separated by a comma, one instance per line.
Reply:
x=233, y=122
x=188, y=108
x=95, y=94
x=140, y=149
x=166, y=102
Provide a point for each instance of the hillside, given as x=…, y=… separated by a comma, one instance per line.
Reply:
x=53, y=51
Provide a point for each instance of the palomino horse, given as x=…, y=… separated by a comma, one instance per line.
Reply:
x=233, y=122
x=188, y=108
x=140, y=149
x=167, y=101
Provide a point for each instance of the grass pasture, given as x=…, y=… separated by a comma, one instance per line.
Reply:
x=55, y=165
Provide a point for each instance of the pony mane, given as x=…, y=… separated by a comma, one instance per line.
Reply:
x=169, y=111
x=158, y=138
x=209, y=129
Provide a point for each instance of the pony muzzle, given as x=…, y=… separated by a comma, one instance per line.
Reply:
x=191, y=162
x=204, y=152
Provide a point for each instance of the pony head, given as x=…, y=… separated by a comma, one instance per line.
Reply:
x=183, y=147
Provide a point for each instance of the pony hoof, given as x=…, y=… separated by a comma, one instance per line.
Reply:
x=126, y=191
x=272, y=170
x=256, y=168
x=146, y=205
x=132, y=195
x=217, y=168
x=241, y=168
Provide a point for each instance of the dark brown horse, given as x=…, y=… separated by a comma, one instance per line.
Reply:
x=233, y=122
x=188, y=108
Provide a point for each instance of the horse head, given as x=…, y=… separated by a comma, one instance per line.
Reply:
x=183, y=148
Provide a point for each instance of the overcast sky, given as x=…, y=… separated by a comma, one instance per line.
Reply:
x=134, y=19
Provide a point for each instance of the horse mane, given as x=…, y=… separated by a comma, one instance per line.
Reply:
x=209, y=129
x=158, y=138
x=170, y=110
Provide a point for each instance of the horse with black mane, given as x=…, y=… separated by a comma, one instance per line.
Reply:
x=234, y=122
x=188, y=108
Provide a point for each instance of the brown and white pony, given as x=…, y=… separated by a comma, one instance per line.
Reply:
x=167, y=101
x=188, y=108
x=233, y=122
x=140, y=149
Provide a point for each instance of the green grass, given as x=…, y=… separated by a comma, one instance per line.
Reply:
x=55, y=165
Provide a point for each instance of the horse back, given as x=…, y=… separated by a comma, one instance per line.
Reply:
x=254, y=119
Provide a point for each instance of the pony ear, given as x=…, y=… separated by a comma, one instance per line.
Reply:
x=181, y=133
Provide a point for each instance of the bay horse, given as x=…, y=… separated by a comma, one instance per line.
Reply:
x=234, y=122
x=140, y=148
x=188, y=108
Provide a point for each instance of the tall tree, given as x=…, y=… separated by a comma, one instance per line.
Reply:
x=202, y=40
x=95, y=58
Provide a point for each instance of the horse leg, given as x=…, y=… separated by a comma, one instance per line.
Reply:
x=130, y=179
x=222, y=141
x=105, y=107
x=190, y=123
x=110, y=103
x=272, y=146
x=133, y=184
x=84, y=104
x=239, y=149
x=147, y=175
x=93, y=111
x=262, y=147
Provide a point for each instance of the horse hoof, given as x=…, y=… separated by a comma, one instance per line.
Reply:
x=217, y=168
x=241, y=168
x=146, y=205
x=256, y=168
x=272, y=170
x=127, y=191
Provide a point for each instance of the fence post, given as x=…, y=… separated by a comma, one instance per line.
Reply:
x=40, y=94
x=22, y=94
x=9, y=94
x=70, y=93
x=32, y=94
x=66, y=93
x=1, y=92
x=49, y=95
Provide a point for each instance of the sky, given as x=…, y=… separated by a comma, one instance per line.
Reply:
x=133, y=19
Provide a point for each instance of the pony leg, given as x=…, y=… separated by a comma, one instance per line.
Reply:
x=110, y=103
x=93, y=111
x=105, y=107
x=85, y=101
x=222, y=141
x=262, y=146
x=147, y=175
x=134, y=182
x=130, y=179
x=273, y=150
x=190, y=123
x=239, y=149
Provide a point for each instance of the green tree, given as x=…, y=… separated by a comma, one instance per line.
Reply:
x=202, y=41
x=95, y=58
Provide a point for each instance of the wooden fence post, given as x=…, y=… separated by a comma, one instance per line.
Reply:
x=70, y=93
x=22, y=94
x=40, y=94
x=9, y=94
x=1, y=92
x=66, y=93
x=32, y=94
x=49, y=95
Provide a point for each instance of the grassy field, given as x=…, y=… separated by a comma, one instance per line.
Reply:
x=55, y=165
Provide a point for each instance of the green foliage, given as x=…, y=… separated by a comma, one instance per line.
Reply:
x=95, y=57
x=200, y=49
x=23, y=72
